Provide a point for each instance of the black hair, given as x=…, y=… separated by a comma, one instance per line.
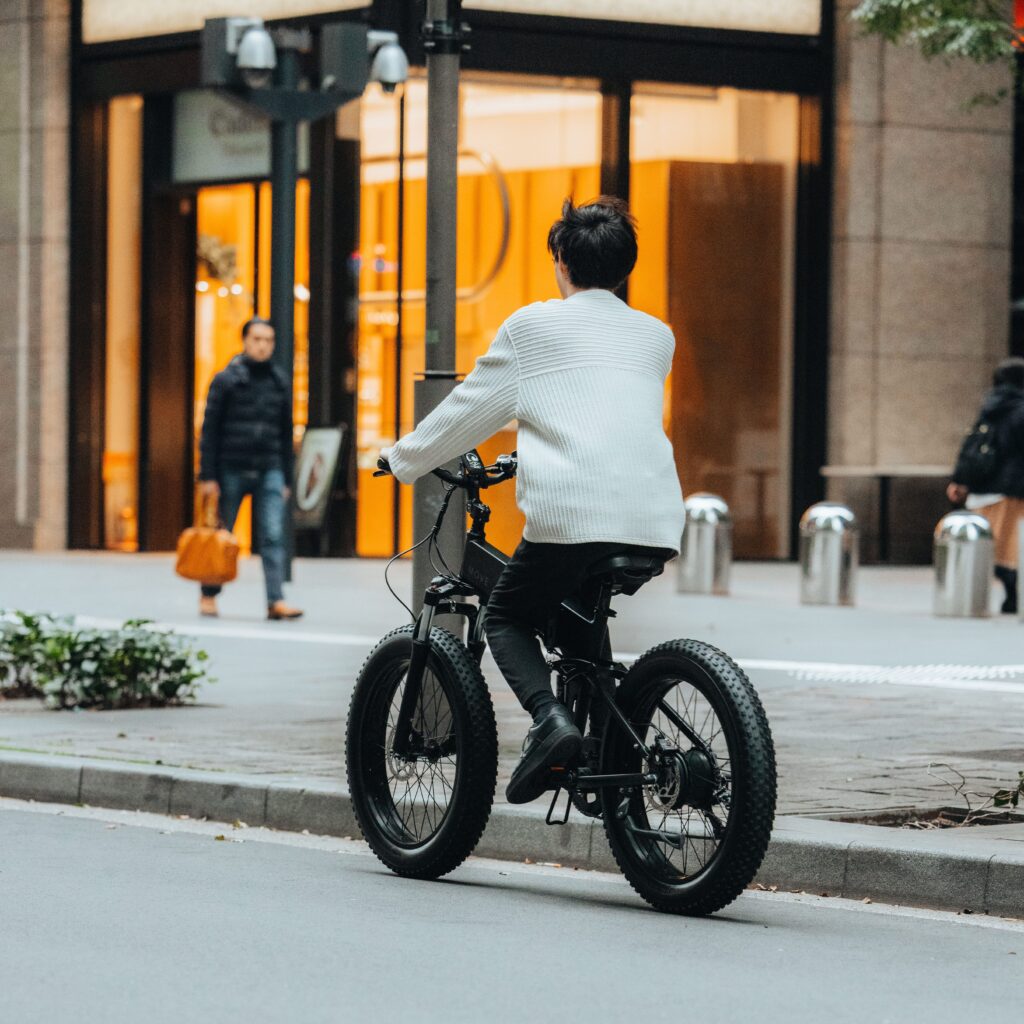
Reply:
x=1010, y=371
x=596, y=241
x=255, y=322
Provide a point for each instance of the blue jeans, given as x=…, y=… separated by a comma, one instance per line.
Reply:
x=267, y=490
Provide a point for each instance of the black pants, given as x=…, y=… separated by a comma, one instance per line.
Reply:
x=535, y=582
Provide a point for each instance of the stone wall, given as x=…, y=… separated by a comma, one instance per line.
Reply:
x=921, y=257
x=34, y=118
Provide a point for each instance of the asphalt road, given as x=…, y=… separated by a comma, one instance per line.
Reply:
x=111, y=916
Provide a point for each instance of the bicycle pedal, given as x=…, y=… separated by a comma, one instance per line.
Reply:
x=550, y=819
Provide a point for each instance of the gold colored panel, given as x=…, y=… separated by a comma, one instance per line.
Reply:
x=107, y=20
x=800, y=17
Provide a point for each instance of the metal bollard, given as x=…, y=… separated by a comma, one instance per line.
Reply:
x=963, y=554
x=829, y=554
x=705, y=556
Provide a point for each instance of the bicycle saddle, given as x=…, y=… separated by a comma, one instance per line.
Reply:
x=628, y=571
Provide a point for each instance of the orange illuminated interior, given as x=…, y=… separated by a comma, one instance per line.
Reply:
x=226, y=283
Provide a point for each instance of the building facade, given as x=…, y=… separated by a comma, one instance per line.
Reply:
x=823, y=223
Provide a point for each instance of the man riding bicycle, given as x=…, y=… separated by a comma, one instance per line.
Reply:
x=584, y=377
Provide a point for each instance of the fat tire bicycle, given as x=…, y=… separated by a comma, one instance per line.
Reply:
x=677, y=758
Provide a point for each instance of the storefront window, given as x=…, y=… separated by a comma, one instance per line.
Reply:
x=713, y=185
x=124, y=257
x=233, y=254
x=526, y=144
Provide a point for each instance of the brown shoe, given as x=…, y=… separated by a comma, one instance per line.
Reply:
x=280, y=610
x=208, y=607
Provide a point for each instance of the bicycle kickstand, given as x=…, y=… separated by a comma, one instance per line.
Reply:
x=551, y=819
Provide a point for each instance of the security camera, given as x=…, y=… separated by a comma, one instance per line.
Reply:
x=390, y=64
x=256, y=57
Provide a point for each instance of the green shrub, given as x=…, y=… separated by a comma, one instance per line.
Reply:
x=135, y=666
x=23, y=639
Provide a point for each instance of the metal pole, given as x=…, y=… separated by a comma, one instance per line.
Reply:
x=396, y=523
x=443, y=42
x=284, y=168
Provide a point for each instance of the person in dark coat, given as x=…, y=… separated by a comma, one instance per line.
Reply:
x=1003, y=407
x=246, y=448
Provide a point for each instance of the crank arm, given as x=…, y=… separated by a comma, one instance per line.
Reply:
x=629, y=780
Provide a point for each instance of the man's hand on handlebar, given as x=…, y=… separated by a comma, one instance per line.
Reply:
x=383, y=467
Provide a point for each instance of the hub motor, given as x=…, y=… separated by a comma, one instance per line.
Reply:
x=683, y=778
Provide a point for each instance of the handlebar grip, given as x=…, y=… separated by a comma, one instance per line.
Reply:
x=383, y=467
x=448, y=478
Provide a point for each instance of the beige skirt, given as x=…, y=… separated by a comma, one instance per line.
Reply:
x=1005, y=517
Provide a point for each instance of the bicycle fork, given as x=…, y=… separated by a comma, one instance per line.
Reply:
x=442, y=595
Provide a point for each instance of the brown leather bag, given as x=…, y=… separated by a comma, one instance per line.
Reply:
x=207, y=553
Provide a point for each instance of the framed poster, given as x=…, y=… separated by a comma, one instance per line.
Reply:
x=315, y=472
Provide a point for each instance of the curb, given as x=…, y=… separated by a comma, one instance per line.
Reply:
x=981, y=874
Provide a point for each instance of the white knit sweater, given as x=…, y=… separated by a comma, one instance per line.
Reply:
x=585, y=378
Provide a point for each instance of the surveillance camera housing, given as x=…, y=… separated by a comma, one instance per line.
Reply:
x=390, y=65
x=256, y=57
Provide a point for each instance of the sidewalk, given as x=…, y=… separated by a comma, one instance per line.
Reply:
x=874, y=708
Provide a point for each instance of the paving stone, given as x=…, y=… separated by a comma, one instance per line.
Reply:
x=916, y=876
x=218, y=799
x=40, y=779
x=522, y=834
x=1005, y=892
x=136, y=788
x=322, y=812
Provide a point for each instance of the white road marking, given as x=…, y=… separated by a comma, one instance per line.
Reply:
x=284, y=632
x=982, y=678
x=196, y=826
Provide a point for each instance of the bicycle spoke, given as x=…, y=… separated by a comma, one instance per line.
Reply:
x=422, y=784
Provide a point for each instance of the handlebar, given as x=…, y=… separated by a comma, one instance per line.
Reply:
x=474, y=472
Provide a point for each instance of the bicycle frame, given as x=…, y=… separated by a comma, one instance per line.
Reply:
x=585, y=629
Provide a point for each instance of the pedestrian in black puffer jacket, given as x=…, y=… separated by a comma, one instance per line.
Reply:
x=246, y=448
x=1003, y=504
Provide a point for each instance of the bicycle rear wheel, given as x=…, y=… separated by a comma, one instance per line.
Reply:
x=423, y=813
x=692, y=842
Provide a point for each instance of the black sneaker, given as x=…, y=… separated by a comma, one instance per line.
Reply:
x=552, y=740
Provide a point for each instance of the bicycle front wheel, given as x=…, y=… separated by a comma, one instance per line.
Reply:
x=423, y=812
x=690, y=842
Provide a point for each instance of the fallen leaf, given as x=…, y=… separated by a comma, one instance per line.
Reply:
x=823, y=894
x=183, y=817
x=305, y=831
x=220, y=839
x=239, y=824
x=526, y=860
x=122, y=735
x=865, y=900
x=773, y=888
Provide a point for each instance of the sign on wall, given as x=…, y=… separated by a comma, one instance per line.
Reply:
x=107, y=20
x=799, y=17
x=217, y=140
x=315, y=471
